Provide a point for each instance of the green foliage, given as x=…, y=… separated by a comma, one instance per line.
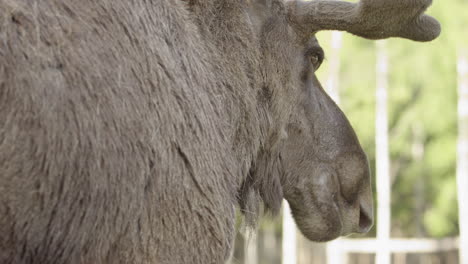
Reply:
x=441, y=218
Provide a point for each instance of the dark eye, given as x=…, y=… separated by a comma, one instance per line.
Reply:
x=316, y=57
x=315, y=61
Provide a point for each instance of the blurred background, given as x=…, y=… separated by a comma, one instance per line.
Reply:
x=408, y=103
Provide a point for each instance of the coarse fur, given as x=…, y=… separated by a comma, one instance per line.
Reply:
x=131, y=130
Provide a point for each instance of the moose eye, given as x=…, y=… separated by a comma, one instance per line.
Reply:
x=315, y=61
x=316, y=57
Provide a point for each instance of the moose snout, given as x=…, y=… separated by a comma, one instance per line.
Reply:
x=358, y=218
x=366, y=218
x=358, y=215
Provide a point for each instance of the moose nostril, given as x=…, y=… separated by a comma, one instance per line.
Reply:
x=365, y=221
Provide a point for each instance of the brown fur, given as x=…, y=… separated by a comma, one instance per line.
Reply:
x=131, y=130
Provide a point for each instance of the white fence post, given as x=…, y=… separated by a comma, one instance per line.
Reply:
x=289, y=237
x=382, y=157
x=251, y=256
x=335, y=253
x=462, y=155
x=332, y=86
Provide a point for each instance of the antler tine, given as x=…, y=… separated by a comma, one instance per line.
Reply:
x=372, y=19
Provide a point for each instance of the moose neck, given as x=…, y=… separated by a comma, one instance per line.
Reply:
x=236, y=53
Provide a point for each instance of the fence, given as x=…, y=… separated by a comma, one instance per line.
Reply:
x=338, y=250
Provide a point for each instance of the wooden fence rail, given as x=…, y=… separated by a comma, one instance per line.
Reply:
x=337, y=250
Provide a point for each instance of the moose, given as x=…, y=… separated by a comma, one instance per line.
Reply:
x=131, y=131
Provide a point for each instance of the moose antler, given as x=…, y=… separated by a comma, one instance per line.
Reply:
x=372, y=19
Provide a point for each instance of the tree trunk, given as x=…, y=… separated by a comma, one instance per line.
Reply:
x=417, y=152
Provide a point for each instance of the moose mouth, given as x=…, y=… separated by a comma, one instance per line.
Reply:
x=355, y=219
x=331, y=222
x=365, y=220
x=351, y=223
x=319, y=221
x=325, y=215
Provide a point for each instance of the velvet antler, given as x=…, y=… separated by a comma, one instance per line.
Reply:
x=372, y=19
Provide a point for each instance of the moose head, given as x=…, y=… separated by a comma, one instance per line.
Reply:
x=321, y=168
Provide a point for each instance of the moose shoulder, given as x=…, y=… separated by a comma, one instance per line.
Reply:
x=131, y=130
